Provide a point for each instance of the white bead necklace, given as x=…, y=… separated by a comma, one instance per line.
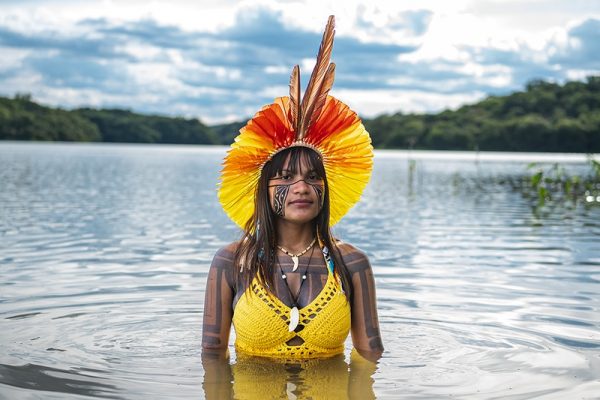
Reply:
x=295, y=256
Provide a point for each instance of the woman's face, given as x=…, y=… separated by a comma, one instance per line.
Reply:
x=296, y=196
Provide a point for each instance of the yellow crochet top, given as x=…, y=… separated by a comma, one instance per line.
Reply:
x=261, y=323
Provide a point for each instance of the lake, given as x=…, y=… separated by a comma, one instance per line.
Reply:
x=105, y=248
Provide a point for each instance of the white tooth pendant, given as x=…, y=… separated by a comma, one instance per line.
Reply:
x=295, y=256
x=294, y=318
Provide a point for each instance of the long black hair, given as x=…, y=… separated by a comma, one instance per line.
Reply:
x=255, y=255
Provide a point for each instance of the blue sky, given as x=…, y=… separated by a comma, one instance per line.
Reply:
x=221, y=61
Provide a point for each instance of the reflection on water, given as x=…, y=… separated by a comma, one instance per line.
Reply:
x=104, y=251
x=260, y=378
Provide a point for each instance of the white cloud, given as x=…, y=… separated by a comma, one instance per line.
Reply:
x=24, y=83
x=11, y=57
x=195, y=58
x=276, y=69
x=580, y=74
x=140, y=51
x=371, y=103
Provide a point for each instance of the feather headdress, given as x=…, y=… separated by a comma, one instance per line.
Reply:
x=315, y=120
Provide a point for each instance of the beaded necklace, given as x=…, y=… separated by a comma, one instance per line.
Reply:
x=295, y=256
x=294, y=312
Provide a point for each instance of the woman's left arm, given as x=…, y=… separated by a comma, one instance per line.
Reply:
x=366, y=337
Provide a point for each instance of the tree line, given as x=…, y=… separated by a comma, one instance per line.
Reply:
x=23, y=119
x=544, y=117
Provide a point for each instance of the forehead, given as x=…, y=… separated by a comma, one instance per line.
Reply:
x=302, y=163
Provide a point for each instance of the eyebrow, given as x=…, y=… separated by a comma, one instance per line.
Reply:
x=292, y=171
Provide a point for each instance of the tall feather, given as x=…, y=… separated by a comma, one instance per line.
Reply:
x=315, y=88
x=322, y=93
x=295, y=114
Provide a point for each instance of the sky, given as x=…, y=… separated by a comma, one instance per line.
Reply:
x=220, y=61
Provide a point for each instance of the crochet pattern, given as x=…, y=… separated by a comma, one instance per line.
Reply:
x=261, y=320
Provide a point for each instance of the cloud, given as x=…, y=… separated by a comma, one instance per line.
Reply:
x=227, y=73
x=43, y=41
x=556, y=61
x=69, y=71
x=411, y=23
x=143, y=31
x=233, y=60
x=583, y=47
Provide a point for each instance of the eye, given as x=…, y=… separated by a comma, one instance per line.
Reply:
x=282, y=177
x=314, y=177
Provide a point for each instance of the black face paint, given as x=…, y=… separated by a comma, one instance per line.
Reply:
x=319, y=191
x=281, y=193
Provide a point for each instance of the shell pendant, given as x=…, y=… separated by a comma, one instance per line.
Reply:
x=295, y=260
x=294, y=318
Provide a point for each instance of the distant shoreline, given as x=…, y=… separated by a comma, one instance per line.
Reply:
x=546, y=117
x=441, y=155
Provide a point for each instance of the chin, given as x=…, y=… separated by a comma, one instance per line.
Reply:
x=300, y=219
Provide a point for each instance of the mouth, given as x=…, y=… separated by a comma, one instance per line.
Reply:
x=301, y=202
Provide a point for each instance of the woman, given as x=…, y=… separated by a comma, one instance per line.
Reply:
x=291, y=290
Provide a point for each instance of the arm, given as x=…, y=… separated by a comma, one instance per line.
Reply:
x=360, y=384
x=217, y=375
x=366, y=337
x=218, y=300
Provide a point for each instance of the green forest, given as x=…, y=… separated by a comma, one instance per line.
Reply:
x=23, y=119
x=546, y=117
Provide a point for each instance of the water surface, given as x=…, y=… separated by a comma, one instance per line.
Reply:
x=104, y=251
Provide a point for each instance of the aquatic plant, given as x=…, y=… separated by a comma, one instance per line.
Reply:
x=554, y=184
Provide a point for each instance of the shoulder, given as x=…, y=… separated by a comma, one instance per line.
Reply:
x=225, y=256
x=227, y=251
x=223, y=264
x=350, y=252
x=354, y=258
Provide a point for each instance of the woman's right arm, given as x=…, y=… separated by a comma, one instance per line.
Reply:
x=218, y=301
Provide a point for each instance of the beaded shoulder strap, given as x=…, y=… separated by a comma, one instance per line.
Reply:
x=326, y=255
x=328, y=259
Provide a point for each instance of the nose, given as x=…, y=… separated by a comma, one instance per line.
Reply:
x=300, y=186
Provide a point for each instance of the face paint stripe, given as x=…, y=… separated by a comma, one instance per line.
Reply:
x=319, y=191
x=281, y=193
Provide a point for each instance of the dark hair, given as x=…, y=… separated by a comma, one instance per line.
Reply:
x=256, y=249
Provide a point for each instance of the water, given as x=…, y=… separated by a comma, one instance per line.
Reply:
x=104, y=251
